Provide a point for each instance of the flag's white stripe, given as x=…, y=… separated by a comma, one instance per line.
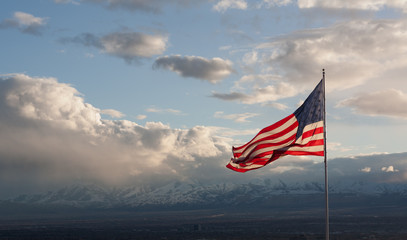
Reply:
x=313, y=126
x=307, y=128
x=269, y=133
x=267, y=149
x=249, y=165
x=284, y=147
x=306, y=140
x=316, y=148
x=276, y=140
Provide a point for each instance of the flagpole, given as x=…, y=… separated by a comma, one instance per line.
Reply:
x=326, y=167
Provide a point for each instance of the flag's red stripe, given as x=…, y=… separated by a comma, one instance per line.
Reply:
x=319, y=142
x=277, y=124
x=247, y=166
x=267, y=145
x=256, y=161
x=311, y=143
x=238, y=169
x=270, y=137
x=298, y=153
x=279, y=139
x=312, y=132
x=268, y=129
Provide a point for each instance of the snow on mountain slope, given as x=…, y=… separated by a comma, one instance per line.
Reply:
x=197, y=194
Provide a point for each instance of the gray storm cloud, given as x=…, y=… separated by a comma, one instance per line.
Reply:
x=25, y=22
x=130, y=46
x=223, y=5
x=212, y=70
x=154, y=6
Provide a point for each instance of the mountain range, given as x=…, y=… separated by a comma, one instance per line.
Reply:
x=178, y=194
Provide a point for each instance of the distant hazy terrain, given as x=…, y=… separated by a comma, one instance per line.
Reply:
x=191, y=210
x=195, y=195
x=259, y=194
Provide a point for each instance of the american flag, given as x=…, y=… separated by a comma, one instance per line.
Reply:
x=300, y=133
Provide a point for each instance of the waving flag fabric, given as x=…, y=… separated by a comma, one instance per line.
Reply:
x=300, y=133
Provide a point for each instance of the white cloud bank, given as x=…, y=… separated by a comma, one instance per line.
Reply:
x=345, y=50
x=50, y=135
x=354, y=53
x=388, y=102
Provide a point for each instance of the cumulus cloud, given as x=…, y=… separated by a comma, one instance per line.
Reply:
x=345, y=169
x=369, y=5
x=375, y=163
x=67, y=1
x=265, y=94
x=273, y=3
x=238, y=117
x=50, y=136
x=141, y=117
x=388, y=102
x=366, y=169
x=228, y=132
x=25, y=22
x=46, y=100
x=130, y=46
x=112, y=113
x=212, y=70
x=164, y=110
x=338, y=147
x=255, y=81
x=224, y=5
x=265, y=89
x=389, y=169
x=278, y=106
x=344, y=49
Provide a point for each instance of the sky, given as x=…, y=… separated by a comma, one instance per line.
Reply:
x=127, y=92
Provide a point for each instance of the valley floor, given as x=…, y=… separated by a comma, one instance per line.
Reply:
x=203, y=224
